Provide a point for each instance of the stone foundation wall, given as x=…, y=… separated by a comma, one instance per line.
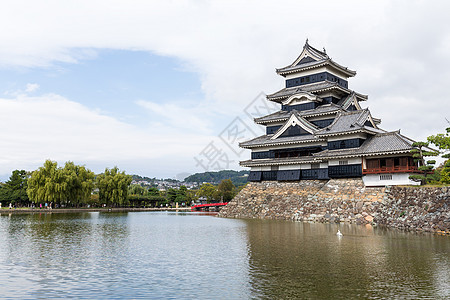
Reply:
x=416, y=208
x=344, y=200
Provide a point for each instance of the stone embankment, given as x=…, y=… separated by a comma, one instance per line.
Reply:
x=416, y=208
x=344, y=200
x=78, y=210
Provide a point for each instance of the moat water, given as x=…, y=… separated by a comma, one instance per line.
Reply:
x=193, y=256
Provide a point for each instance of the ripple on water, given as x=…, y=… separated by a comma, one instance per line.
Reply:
x=186, y=256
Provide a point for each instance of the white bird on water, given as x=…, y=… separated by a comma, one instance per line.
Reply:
x=339, y=233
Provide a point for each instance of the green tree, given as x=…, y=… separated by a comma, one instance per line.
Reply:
x=181, y=194
x=45, y=184
x=420, y=152
x=171, y=195
x=191, y=196
x=442, y=141
x=445, y=173
x=71, y=185
x=113, y=187
x=208, y=191
x=136, y=189
x=153, y=191
x=79, y=183
x=15, y=189
x=225, y=190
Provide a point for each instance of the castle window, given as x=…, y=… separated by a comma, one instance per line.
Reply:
x=386, y=177
x=343, y=162
x=315, y=166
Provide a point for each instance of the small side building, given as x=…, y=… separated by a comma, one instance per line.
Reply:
x=321, y=131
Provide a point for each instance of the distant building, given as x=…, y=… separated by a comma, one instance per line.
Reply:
x=321, y=131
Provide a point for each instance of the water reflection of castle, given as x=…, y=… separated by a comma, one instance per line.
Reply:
x=296, y=260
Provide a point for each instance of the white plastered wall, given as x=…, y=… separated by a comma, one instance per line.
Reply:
x=324, y=165
x=350, y=161
x=397, y=179
x=289, y=167
x=264, y=168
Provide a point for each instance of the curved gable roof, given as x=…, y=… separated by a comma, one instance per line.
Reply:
x=294, y=120
x=346, y=122
x=309, y=58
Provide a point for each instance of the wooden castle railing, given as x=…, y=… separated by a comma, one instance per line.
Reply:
x=393, y=169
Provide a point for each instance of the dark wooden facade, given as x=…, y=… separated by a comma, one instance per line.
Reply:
x=308, y=174
x=390, y=165
x=316, y=78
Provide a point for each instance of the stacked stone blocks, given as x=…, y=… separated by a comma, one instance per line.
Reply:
x=344, y=200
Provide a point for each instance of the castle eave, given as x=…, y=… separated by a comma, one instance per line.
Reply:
x=249, y=145
x=345, y=132
x=278, y=162
x=316, y=158
x=314, y=88
x=313, y=65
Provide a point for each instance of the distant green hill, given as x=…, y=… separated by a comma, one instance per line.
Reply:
x=237, y=177
x=138, y=178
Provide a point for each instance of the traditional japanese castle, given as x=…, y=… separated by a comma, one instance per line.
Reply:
x=321, y=131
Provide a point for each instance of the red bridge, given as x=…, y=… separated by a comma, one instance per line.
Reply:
x=207, y=206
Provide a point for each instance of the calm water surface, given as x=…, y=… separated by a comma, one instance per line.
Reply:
x=194, y=256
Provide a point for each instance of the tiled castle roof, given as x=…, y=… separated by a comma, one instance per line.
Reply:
x=350, y=124
x=382, y=143
x=265, y=140
x=283, y=115
x=311, y=58
x=346, y=122
x=316, y=87
x=315, y=64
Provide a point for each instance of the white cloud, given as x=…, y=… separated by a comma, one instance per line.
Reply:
x=31, y=87
x=51, y=127
x=400, y=49
x=178, y=116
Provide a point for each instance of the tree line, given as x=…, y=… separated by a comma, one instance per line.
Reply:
x=72, y=185
x=151, y=196
x=68, y=186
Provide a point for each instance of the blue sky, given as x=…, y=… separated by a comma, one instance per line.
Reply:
x=111, y=81
x=154, y=86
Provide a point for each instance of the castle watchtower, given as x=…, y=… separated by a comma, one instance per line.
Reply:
x=322, y=132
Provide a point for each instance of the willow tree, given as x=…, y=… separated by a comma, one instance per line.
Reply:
x=43, y=185
x=69, y=185
x=79, y=183
x=113, y=187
